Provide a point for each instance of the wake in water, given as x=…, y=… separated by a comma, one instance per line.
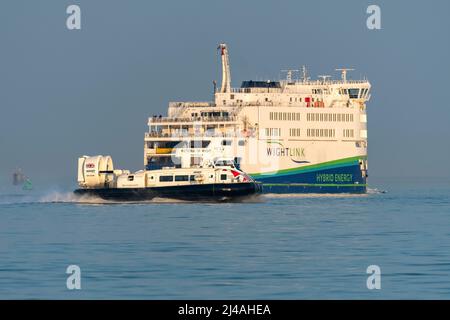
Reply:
x=51, y=197
x=70, y=197
x=375, y=191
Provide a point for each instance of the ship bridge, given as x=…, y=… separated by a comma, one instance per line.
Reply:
x=324, y=92
x=293, y=91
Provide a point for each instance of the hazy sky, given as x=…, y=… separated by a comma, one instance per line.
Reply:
x=68, y=93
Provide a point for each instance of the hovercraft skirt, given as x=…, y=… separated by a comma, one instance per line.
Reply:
x=197, y=192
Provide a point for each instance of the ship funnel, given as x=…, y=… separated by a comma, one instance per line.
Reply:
x=226, y=75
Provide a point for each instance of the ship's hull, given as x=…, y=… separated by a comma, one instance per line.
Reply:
x=292, y=166
x=198, y=192
x=332, y=177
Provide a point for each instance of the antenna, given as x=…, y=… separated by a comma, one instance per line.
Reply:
x=304, y=74
x=289, y=74
x=344, y=73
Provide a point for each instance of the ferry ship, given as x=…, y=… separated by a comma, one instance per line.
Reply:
x=295, y=135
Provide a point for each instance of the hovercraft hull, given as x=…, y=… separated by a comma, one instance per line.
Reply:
x=199, y=192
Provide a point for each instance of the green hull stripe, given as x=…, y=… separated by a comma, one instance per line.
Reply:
x=321, y=166
x=314, y=185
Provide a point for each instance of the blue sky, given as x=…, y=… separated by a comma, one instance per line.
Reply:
x=67, y=93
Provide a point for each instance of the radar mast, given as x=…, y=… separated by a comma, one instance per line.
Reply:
x=344, y=73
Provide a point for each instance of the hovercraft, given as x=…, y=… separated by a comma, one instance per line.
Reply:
x=218, y=181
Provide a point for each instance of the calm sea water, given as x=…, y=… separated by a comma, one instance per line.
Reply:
x=277, y=247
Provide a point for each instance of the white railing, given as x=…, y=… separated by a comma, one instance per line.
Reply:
x=199, y=135
x=192, y=119
x=189, y=104
x=327, y=82
x=298, y=82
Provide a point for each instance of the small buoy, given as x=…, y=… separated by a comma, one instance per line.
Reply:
x=27, y=185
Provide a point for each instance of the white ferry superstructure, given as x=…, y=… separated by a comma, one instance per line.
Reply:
x=294, y=135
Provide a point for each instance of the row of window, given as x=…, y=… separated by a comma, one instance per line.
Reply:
x=319, y=117
x=307, y=99
x=273, y=132
x=214, y=114
x=184, y=144
x=323, y=133
x=348, y=133
x=289, y=116
x=354, y=93
x=334, y=117
x=184, y=178
x=319, y=91
x=241, y=143
x=294, y=132
x=177, y=178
